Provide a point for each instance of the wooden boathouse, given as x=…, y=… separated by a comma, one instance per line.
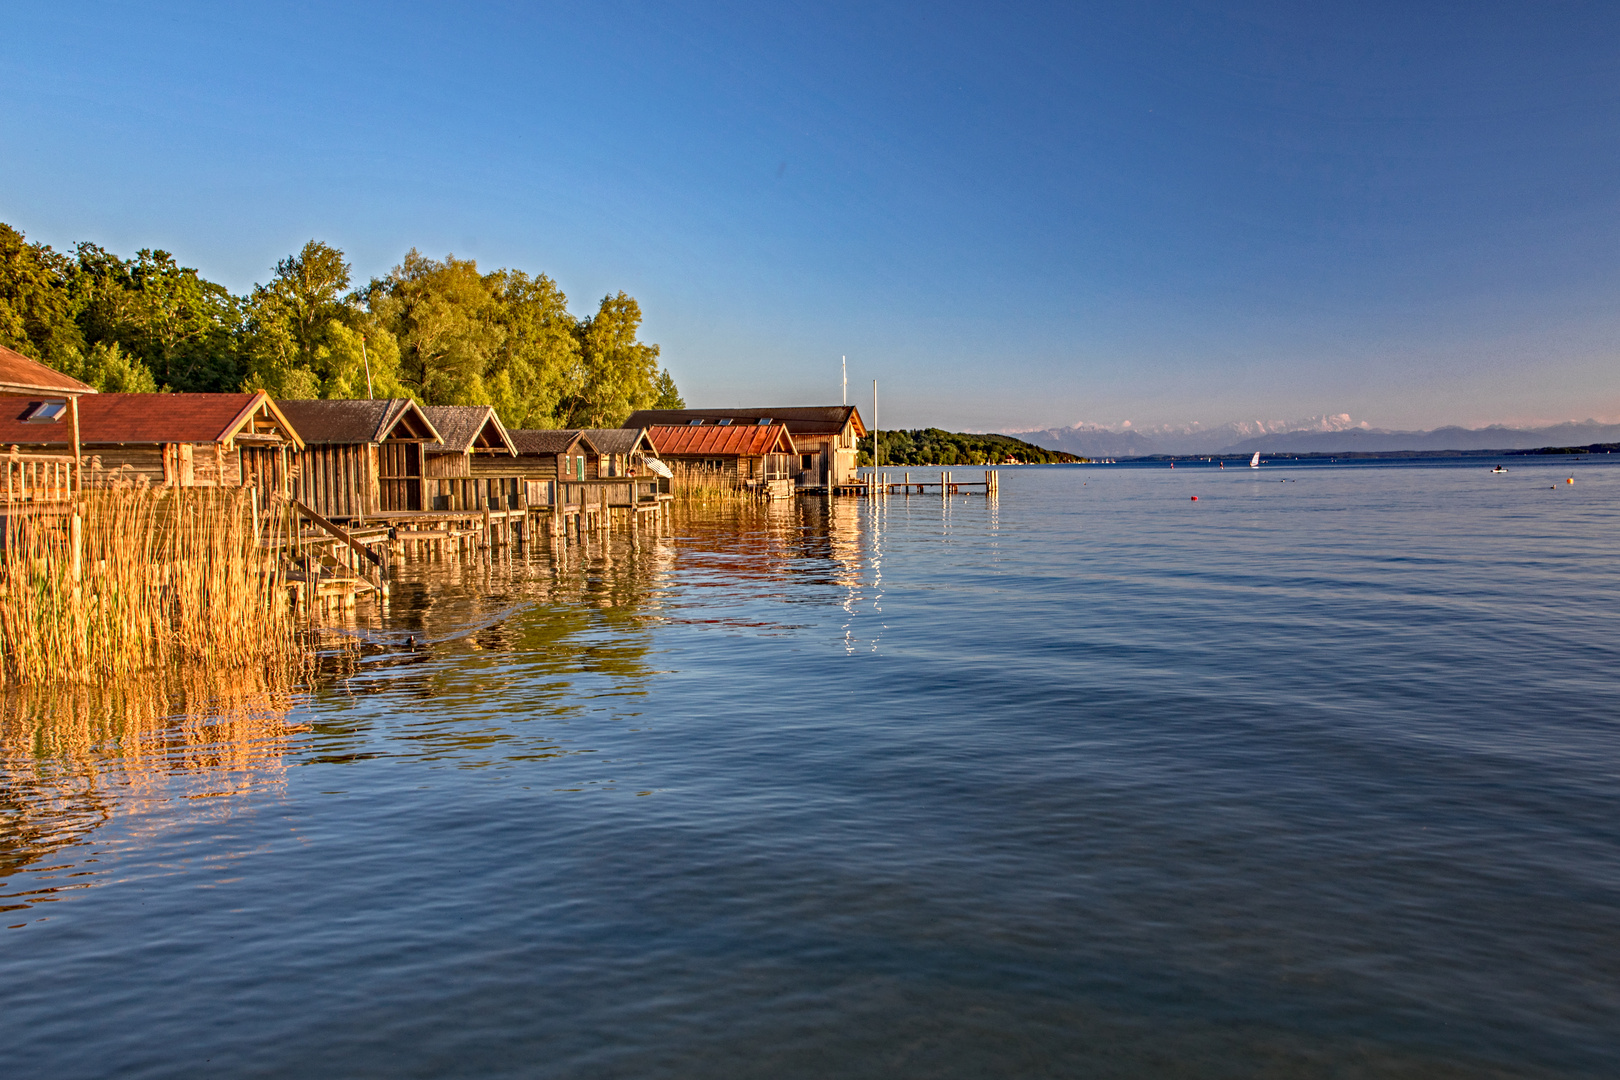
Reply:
x=168, y=440
x=47, y=396
x=825, y=438
x=470, y=432
x=361, y=459
x=755, y=457
x=626, y=483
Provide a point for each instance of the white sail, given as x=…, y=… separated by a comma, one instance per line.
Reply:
x=1254, y=462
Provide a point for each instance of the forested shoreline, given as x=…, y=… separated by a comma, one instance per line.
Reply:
x=437, y=330
x=933, y=446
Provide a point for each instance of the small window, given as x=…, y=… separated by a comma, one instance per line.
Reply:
x=809, y=462
x=723, y=423
x=764, y=422
x=694, y=423
x=44, y=412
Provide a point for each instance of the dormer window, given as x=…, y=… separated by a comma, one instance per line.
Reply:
x=44, y=412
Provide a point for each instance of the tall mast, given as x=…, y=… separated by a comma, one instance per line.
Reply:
x=845, y=361
x=874, y=425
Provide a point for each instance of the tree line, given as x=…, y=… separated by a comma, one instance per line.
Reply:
x=437, y=330
x=932, y=446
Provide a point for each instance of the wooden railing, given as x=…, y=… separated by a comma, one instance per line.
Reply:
x=37, y=478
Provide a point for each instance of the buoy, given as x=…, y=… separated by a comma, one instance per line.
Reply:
x=1195, y=498
x=1571, y=480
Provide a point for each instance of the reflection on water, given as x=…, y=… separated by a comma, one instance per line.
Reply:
x=1300, y=779
x=73, y=757
x=579, y=615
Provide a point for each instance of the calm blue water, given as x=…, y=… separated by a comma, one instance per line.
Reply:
x=1316, y=776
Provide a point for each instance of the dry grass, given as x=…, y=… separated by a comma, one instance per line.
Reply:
x=694, y=485
x=162, y=578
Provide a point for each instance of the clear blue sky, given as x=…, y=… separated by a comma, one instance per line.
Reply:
x=1011, y=215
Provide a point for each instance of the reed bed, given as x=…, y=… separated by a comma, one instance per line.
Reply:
x=696, y=485
x=129, y=579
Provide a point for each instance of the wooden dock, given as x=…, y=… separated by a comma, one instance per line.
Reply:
x=884, y=483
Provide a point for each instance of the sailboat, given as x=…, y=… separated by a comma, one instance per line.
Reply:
x=1254, y=462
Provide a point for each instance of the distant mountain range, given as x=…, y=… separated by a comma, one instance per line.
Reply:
x=1313, y=435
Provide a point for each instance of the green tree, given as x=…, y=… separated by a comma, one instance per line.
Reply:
x=307, y=339
x=36, y=304
x=669, y=397
x=111, y=370
x=181, y=327
x=445, y=319
x=538, y=363
x=621, y=373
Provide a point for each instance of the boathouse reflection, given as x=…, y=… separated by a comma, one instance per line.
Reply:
x=474, y=662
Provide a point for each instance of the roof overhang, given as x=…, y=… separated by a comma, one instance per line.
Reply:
x=411, y=425
x=261, y=402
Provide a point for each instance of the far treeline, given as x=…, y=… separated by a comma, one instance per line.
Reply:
x=439, y=331
x=931, y=446
x=1589, y=448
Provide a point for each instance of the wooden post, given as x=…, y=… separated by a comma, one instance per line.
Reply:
x=73, y=411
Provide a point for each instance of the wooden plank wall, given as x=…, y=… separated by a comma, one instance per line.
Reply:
x=399, y=467
x=445, y=465
x=265, y=467
x=336, y=481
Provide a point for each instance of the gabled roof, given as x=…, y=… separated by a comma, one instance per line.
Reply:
x=620, y=440
x=111, y=419
x=328, y=422
x=800, y=420
x=20, y=375
x=468, y=427
x=743, y=440
x=537, y=441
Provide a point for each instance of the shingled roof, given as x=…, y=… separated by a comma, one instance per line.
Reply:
x=468, y=427
x=745, y=440
x=618, y=440
x=20, y=375
x=800, y=420
x=112, y=419
x=347, y=422
x=535, y=441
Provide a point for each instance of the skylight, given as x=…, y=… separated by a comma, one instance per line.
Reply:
x=764, y=421
x=44, y=412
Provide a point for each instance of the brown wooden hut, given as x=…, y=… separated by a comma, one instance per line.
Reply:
x=174, y=440
x=470, y=433
x=361, y=458
x=546, y=460
x=825, y=437
x=753, y=457
x=623, y=476
x=51, y=476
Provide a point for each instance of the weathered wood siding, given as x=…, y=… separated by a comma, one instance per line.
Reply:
x=444, y=465
x=399, y=476
x=265, y=468
x=336, y=481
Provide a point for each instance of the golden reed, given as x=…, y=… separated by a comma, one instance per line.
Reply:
x=130, y=578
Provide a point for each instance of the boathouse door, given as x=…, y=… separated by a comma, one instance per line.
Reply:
x=400, y=475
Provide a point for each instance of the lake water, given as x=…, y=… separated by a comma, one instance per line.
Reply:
x=1318, y=775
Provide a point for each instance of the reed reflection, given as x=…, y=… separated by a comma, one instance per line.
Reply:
x=75, y=757
x=470, y=662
